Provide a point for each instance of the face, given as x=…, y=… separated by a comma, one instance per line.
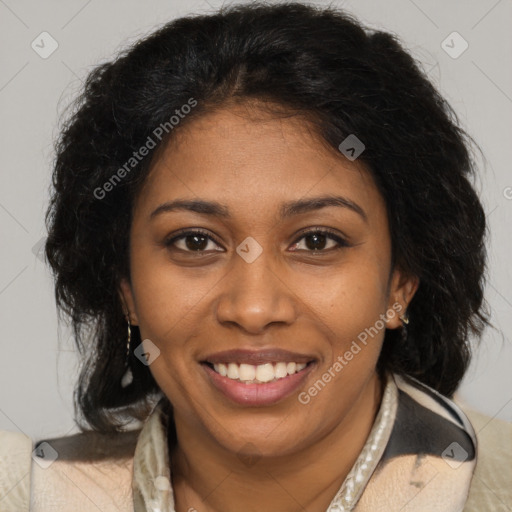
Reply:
x=254, y=277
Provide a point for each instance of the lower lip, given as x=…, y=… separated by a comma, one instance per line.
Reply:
x=257, y=394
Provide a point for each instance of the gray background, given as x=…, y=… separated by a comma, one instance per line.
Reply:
x=38, y=364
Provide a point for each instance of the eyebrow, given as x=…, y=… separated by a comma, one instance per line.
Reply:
x=287, y=209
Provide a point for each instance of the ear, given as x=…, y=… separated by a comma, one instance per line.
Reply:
x=126, y=296
x=401, y=291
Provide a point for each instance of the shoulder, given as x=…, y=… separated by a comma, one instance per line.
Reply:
x=91, y=446
x=82, y=472
x=491, y=487
x=15, y=461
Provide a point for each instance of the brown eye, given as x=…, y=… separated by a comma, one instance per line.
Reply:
x=316, y=241
x=191, y=241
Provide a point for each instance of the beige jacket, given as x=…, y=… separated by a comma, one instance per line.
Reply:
x=103, y=467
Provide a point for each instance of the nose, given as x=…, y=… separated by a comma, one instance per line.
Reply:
x=254, y=296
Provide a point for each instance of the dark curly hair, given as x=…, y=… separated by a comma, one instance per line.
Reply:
x=317, y=62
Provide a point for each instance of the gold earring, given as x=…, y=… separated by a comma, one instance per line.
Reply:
x=127, y=378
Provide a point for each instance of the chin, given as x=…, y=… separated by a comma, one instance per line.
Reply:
x=263, y=437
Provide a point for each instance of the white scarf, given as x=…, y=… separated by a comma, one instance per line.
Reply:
x=420, y=455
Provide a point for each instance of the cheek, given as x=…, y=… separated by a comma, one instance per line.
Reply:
x=348, y=300
x=167, y=309
x=167, y=314
x=350, y=313
x=166, y=297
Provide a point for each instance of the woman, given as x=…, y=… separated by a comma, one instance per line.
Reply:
x=264, y=231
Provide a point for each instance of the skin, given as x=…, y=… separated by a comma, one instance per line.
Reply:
x=192, y=304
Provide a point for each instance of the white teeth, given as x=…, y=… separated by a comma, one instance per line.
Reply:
x=265, y=372
x=291, y=367
x=233, y=371
x=249, y=373
x=281, y=370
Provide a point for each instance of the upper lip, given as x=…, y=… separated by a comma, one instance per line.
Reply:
x=257, y=357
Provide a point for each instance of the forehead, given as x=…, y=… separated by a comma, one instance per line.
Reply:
x=245, y=156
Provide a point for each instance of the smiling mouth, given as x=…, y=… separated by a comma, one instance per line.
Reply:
x=257, y=374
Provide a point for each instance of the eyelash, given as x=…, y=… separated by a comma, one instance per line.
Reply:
x=342, y=243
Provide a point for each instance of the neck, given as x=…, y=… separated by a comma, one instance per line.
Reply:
x=209, y=478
